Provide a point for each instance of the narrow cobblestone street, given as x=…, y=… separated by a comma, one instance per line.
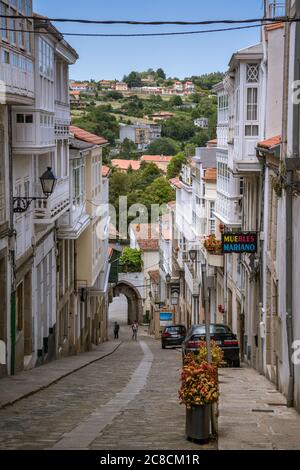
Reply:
x=125, y=397
x=128, y=400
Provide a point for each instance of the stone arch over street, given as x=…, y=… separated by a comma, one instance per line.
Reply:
x=134, y=300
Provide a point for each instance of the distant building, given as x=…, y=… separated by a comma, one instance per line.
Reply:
x=141, y=134
x=75, y=101
x=189, y=87
x=125, y=165
x=105, y=84
x=162, y=116
x=161, y=161
x=82, y=87
x=201, y=122
x=145, y=237
x=121, y=86
x=178, y=87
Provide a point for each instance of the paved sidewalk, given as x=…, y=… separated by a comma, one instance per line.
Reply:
x=25, y=384
x=253, y=414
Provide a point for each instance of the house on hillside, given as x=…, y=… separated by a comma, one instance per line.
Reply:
x=161, y=161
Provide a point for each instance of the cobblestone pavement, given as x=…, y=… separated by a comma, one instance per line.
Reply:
x=125, y=401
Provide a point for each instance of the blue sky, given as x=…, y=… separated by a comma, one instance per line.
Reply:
x=180, y=56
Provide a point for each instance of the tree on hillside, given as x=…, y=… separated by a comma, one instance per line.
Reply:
x=200, y=139
x=174, y=167
x=148, y=173
x=128, y=150
x=133, y=106
x=161, y=74
x=114, y=95
x=178, y=129
x=133, y=80
x=100, y=123
x=163, y=146
x=208, y=80
x=159, y=192
x=119, y=185
x=176, y=101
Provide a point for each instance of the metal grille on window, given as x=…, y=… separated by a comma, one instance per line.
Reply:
x=252, y=73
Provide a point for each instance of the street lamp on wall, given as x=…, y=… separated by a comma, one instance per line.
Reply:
x=48, y=181
x=168, y=278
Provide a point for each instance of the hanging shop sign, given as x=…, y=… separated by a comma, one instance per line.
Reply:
x=239, y=243
x=166, y=318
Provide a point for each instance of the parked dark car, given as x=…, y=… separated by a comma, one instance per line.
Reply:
x=221, y=334
x=173, y=335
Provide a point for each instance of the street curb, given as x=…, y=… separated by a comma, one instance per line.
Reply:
x=53, y=382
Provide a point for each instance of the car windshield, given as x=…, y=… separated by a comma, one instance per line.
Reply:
x=175, y=329
x=214, y=330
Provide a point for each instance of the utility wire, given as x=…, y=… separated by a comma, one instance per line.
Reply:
x=178, y=33
x=153, y=23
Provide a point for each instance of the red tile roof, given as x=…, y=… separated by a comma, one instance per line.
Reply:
x=175, y=183
x=156, y=158
x=210, y=174
x=105, y=171
x=126, y=164
x=270, y=143
x=213, y=141
x=80, y=134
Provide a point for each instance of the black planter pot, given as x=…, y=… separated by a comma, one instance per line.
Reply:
x=198, y=420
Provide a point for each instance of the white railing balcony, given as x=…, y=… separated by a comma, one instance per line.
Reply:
x=48, y=211
x=192, y=280
x=18, y=84
x=229, y=210
x=242, y=156
x=32, y=134
x=222, y=136
x=62, y=113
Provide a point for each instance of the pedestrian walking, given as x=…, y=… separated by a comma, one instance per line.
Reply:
x=135, y=329
x=116, y=330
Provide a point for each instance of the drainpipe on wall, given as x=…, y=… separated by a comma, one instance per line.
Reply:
x=11, y=248
x=290, y=161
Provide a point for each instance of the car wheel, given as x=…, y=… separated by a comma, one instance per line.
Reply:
x=236, y=363
x=163, y=346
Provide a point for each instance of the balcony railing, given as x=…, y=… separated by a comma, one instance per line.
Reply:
x=36, y=134
x=17, y=82
x=228, y=210
x=192, y=280
x=47, y=211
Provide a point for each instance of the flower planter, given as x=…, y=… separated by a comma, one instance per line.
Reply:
x=198, y=419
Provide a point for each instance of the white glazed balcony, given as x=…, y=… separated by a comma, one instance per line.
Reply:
x=62, y=113
x=192, y=280
x=19, y=84
x=228, y=210
x=242, y=157
x=48, y=211
x=32, y=135
x=222, y=136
